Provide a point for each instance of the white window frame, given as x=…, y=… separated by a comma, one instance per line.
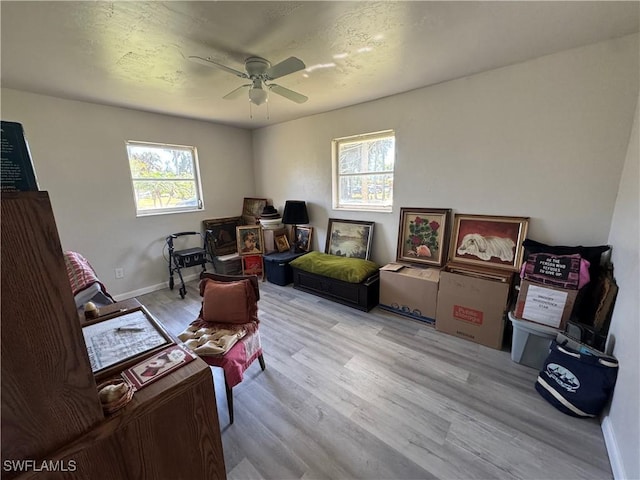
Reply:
x=336, y=176
x=199, y=204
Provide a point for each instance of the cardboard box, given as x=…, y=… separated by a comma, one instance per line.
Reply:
x=412, y=292
x=551, y=306
x=473, y=307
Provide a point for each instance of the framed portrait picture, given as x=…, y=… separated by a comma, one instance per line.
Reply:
x=282, y=243
x=253, y=265
x=121, y=339
x=302, y=237
x=488, y=241
x=221, y=235
x=349, y=238
x=250, y=240
x=424, y=236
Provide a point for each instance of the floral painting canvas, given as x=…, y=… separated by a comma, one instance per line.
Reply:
x=423, y=236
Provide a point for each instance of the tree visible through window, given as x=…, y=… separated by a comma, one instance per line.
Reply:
x=165, y=178
x=363, y=171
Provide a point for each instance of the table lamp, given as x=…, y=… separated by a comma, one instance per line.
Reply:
x=295, y=213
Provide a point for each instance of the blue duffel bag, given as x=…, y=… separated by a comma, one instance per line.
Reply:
x=578, y=384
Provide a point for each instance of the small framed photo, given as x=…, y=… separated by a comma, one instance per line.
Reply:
x=282, y=243
x=424, y=236
x=302, y=237
x=488, y=241
x=250, y=240
x=349, y=238
x=253, y=265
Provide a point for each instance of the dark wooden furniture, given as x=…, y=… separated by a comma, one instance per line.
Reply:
x=363, y=296
x=50, y=404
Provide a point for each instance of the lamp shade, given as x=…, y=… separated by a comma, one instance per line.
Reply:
x=295, y=212
x=257, y=95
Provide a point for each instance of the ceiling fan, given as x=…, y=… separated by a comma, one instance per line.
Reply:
x=259, y=71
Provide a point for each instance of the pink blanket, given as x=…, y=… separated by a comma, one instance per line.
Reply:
x=81, y=274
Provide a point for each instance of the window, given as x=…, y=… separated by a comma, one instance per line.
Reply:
x=363, y=171
x=165, y=178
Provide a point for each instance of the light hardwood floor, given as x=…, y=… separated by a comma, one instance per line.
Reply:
x=348, y=394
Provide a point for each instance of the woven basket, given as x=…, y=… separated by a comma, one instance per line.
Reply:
x=118, y=403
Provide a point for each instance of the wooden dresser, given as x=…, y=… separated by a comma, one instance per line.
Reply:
x=51, y=413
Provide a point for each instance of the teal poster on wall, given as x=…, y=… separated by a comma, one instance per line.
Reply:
x=16, y=168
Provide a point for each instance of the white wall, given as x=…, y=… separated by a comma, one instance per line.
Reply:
x=622, y=425
x=79, y=155
x=544, y=139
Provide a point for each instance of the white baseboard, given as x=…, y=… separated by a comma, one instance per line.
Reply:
x=153, y=288
x=615, y=460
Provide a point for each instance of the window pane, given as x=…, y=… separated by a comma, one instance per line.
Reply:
x=164, y=178
x=156, y=194
x=365, y=156
x=364, y=170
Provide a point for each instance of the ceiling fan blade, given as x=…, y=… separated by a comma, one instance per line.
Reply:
x=285, y=67
x=236, y=93
x=212, y=63
x=290, y=94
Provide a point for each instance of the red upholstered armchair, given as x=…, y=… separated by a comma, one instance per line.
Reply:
x=226, y=332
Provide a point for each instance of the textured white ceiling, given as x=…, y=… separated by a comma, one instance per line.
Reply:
x=133, y=54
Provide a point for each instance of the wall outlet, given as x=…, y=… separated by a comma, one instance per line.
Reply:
x=119, y=272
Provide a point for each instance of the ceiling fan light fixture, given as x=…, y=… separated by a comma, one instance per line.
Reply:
x=257, y=96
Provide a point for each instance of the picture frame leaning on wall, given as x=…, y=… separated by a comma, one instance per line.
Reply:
x=349, y=238
x=423, y=236
x=488, y=241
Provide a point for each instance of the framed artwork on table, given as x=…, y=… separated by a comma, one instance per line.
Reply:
x=424, y=236
x=157, y=366
x=302, y=237
x=250, y=240
x=488, y=241
x=221, y=235
x=282, y=243
x=121, y=339
x=349, y=238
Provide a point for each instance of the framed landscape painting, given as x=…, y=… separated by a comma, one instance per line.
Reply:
x=349, y=238
x=424, y=236
x=489, y=241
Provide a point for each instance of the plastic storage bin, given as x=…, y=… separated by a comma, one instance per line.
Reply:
x=530, y=345
x=277, y=267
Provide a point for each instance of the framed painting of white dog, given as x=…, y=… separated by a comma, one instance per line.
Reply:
x=488, y=241
x=424, y=236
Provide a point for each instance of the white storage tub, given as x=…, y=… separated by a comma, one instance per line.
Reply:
x=530, y=345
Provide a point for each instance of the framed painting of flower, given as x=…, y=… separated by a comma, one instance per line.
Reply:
x=424, y=236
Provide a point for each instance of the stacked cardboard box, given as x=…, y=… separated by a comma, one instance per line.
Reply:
x=549, y=289
x=472, y=304
x=409, y=291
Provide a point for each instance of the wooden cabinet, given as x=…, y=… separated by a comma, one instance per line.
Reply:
x=50, y=406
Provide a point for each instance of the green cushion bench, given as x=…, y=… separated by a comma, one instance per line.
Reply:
x=350, y=281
